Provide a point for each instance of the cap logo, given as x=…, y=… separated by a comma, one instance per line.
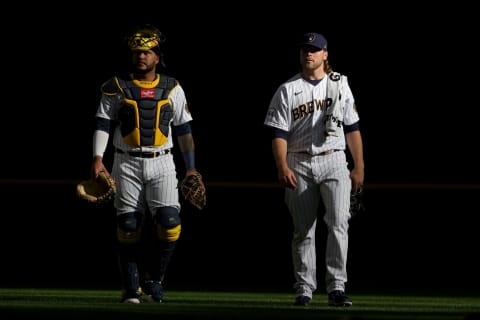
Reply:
x=311, y=37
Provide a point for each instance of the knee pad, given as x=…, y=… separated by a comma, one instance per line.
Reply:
x=129, y=227
x=168, y=223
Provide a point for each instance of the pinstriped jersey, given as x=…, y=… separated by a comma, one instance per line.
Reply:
x=299, y=108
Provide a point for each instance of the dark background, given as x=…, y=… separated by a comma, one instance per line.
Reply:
x=414, y=77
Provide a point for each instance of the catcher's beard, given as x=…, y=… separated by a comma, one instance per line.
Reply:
x=143, y=71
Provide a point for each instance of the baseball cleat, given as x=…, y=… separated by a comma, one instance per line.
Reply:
x=153, y=291
x=132, y=297
x=131, y=300
x=302, y=301
x=337, y=298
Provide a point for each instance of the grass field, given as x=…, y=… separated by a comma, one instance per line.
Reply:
x=22, y=303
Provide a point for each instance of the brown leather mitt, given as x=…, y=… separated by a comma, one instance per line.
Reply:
x=193, y=190
x=99, y=190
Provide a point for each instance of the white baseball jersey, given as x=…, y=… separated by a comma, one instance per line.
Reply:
x=304, y=110
x=152, y=179
x=298, y=107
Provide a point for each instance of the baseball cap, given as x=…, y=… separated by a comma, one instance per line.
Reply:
x=313, y=39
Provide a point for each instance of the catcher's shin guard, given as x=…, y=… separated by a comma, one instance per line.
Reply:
x=129, y=228
x=167, y=228
x=157, y=261
x=130, y=280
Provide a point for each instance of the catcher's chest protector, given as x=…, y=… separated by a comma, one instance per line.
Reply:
x=146, y=114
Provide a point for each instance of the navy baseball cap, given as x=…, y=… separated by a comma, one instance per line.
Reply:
x=313, y=39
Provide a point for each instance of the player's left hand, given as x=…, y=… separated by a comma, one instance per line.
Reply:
x=357, y=176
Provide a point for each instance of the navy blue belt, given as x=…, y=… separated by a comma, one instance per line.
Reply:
x=324, y=153
x=140, y=154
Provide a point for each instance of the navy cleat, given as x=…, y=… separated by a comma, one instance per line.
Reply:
x=337, y=298
x=153, y=291
x=302, y=301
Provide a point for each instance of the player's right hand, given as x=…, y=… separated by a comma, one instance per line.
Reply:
x=287, y=179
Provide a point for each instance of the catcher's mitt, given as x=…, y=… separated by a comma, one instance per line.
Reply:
x=356, y=203
x=193, y=190
x=99, y=190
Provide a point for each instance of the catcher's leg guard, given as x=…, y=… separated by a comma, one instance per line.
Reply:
x=130, y=282
x=167, y=227
x=129, y=228
x=168, y=224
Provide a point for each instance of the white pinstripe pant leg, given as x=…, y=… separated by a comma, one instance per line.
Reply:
x=150, y=179
x=303, y=204
x=128, y=172
x=162, y=183
x=335, y=192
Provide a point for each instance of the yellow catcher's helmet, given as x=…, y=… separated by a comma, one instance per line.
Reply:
x=145, y=37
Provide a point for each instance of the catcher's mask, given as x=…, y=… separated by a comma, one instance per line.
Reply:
x=146, y=37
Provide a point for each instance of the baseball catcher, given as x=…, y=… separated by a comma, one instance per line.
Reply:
x=193, y=190
x=97, y=190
